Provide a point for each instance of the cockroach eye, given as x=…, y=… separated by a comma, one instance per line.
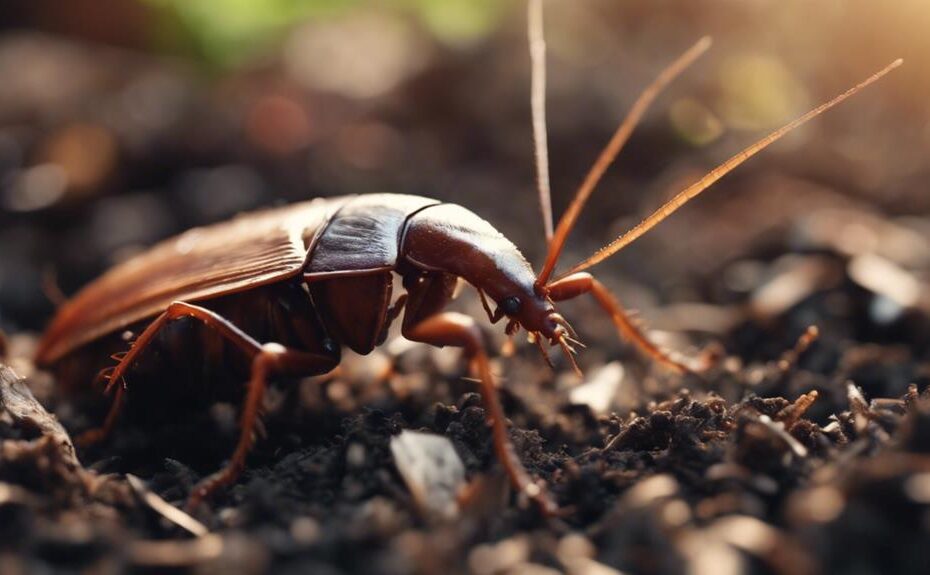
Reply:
x=511, y=305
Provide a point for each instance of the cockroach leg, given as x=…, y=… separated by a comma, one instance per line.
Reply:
x=398, y=307
x=485, y=305
x=392, y=313
x=126, y=359
x=493, y=316
x=93, y=436
x=102, y=379
x=266, y=360
x=459, y=330
x=270, y=359
x=175, y=311
x=577, y=284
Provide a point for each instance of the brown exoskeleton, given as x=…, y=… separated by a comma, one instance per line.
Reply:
x=284, y=289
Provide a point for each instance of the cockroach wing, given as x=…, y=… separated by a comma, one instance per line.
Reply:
x=251, y=250
x=364, y=236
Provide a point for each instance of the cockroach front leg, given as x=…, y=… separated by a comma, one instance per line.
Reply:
x=460, y=330
x=577, y=284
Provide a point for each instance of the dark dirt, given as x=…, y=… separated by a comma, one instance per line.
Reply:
x=735, y=469
x=794, y=454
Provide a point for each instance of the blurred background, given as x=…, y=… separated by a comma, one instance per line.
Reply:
x=125, y=121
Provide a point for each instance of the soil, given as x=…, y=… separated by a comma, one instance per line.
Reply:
x=812, y=462
x=801, y=450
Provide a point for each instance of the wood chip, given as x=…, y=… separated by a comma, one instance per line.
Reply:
x=17, y=495
x=859, y=406
x=796, y=278
x=791, y=414
x=778, y=429
x=165, y=509
x=432, y=470
x=886, y=278
x=17, y=399
x=599, y=390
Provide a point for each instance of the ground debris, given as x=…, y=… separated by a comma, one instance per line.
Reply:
x=804, y=449
x=432, y=471
x=166, y=510
x=599, y=390
x=16, y=400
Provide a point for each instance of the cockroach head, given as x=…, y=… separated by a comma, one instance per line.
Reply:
x=531, y=308
x=453, y=240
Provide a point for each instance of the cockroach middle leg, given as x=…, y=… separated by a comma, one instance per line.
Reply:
x=459, y=330
x=175, y=311
x=580, y=283
x=178, y=310
x=270, y=359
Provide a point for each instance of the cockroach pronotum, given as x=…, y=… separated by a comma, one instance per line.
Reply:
x=278, y=292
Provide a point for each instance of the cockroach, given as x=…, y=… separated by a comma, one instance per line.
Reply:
x=278, y=292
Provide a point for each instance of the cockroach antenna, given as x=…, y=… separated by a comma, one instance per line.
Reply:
x=537, y=45
x=723, y=169
x=607, y=156
x=575, y=282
